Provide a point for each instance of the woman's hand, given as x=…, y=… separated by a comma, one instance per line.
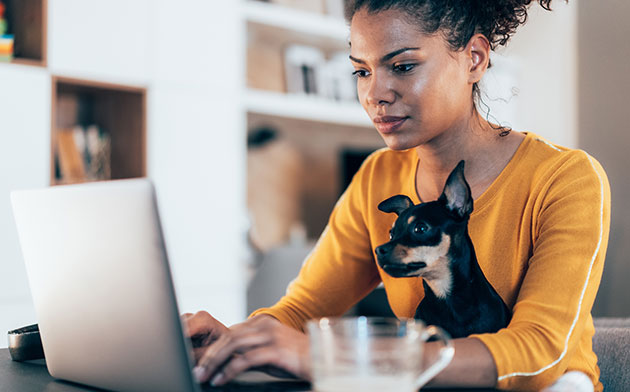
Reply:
x=260, y=342
x=202, y=329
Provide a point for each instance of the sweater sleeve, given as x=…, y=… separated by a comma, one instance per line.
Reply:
x=570, y=235
x=339, y=271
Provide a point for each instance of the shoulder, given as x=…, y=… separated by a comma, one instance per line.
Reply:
x=560, y=170
x=550, y=162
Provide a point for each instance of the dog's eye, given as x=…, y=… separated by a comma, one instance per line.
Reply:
x=391, y=235
x=421, y=228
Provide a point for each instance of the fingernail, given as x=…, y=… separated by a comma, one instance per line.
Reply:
x=216, y=379
x=199, y=373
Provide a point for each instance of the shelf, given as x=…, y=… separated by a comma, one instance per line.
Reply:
x=118, y=111
x=27, y=22
x=304, y=107
x=295, y=20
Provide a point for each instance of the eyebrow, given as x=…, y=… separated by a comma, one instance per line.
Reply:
x=388, y=56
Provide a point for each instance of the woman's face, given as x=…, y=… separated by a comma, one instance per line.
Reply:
x=414, y=87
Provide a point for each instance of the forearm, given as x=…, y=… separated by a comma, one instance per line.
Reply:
x=472, y=365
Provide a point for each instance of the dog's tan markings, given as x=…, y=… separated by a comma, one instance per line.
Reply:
x=437, y=273
x=411, y=219
x=400, y=252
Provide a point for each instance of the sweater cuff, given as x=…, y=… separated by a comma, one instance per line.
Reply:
x=280, y=316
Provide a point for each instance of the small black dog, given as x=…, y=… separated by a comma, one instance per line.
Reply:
x=431, y=240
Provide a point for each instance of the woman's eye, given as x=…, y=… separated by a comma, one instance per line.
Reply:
x=360, y=73
x=420, y=228
x=404, y=68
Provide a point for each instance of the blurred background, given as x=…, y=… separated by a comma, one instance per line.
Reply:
x=244, y=114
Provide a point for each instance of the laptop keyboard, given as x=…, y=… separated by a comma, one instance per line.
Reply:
x=284, y=386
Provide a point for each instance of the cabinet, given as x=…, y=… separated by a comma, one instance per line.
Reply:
x=117, y=111
x=27, y=22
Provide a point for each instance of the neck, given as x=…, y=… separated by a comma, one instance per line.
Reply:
x=485, y=153
x=457, y=274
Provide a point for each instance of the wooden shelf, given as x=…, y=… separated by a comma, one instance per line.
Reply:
x=305, y=107
x=27, y=22
x=118, y=111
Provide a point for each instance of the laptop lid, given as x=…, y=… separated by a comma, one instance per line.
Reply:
x=101, y=285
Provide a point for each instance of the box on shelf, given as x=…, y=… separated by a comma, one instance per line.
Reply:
x=6, y=47
x=309, y=72
x=264, y=67
x=4, y=25
x=336, y=79
x=302, y=66
x=316, y=6
x=275, y=181
x=335, y=8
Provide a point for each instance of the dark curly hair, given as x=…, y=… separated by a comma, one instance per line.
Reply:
x=458, y=20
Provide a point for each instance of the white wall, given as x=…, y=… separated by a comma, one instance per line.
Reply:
x=189, y=57
x=197, y=150
x=604, y=81
x=24, y=163
x=540, y=64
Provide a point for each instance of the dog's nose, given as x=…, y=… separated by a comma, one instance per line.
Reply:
x=380, y=250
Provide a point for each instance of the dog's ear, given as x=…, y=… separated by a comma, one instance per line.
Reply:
x=396, y=204
x=456, y=195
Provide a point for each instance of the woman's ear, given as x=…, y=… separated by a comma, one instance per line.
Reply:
x=478, y=51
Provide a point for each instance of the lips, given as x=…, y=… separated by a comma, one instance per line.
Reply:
x=398, y=270
x=388, y=124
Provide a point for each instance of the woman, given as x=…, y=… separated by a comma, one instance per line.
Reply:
x=540, y=223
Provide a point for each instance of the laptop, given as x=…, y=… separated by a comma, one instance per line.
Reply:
x=101, y=286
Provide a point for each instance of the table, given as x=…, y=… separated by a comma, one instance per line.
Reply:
x=33, y=376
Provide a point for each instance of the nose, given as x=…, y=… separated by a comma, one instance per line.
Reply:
x=380, y=91
x=381, y=250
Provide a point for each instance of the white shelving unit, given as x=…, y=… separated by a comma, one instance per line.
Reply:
x=291, y=20
x=305, y=107
x=284, y=26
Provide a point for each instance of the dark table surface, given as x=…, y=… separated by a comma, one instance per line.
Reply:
x=33, y=376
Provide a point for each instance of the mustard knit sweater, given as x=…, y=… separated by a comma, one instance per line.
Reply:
x=540, y=232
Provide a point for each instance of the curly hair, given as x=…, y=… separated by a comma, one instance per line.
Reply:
x=458, y=21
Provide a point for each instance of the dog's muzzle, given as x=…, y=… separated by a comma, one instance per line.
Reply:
x=388, y=261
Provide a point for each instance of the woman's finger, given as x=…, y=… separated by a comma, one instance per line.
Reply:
x=202, y=346
x=253, y=358
x=202, y=323
x=224, y=348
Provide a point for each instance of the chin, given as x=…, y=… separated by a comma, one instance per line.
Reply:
x=397, y=145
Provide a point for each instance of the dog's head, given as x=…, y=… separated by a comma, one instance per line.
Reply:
x=423, y=235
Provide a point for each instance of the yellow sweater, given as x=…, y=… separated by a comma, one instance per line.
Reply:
x=540, y=232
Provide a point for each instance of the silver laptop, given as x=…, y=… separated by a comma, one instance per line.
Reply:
x=102, y=287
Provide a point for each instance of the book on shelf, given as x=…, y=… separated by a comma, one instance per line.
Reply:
x=83, y=154
x=71, y=163
x=6, y=40
x=6, y=47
